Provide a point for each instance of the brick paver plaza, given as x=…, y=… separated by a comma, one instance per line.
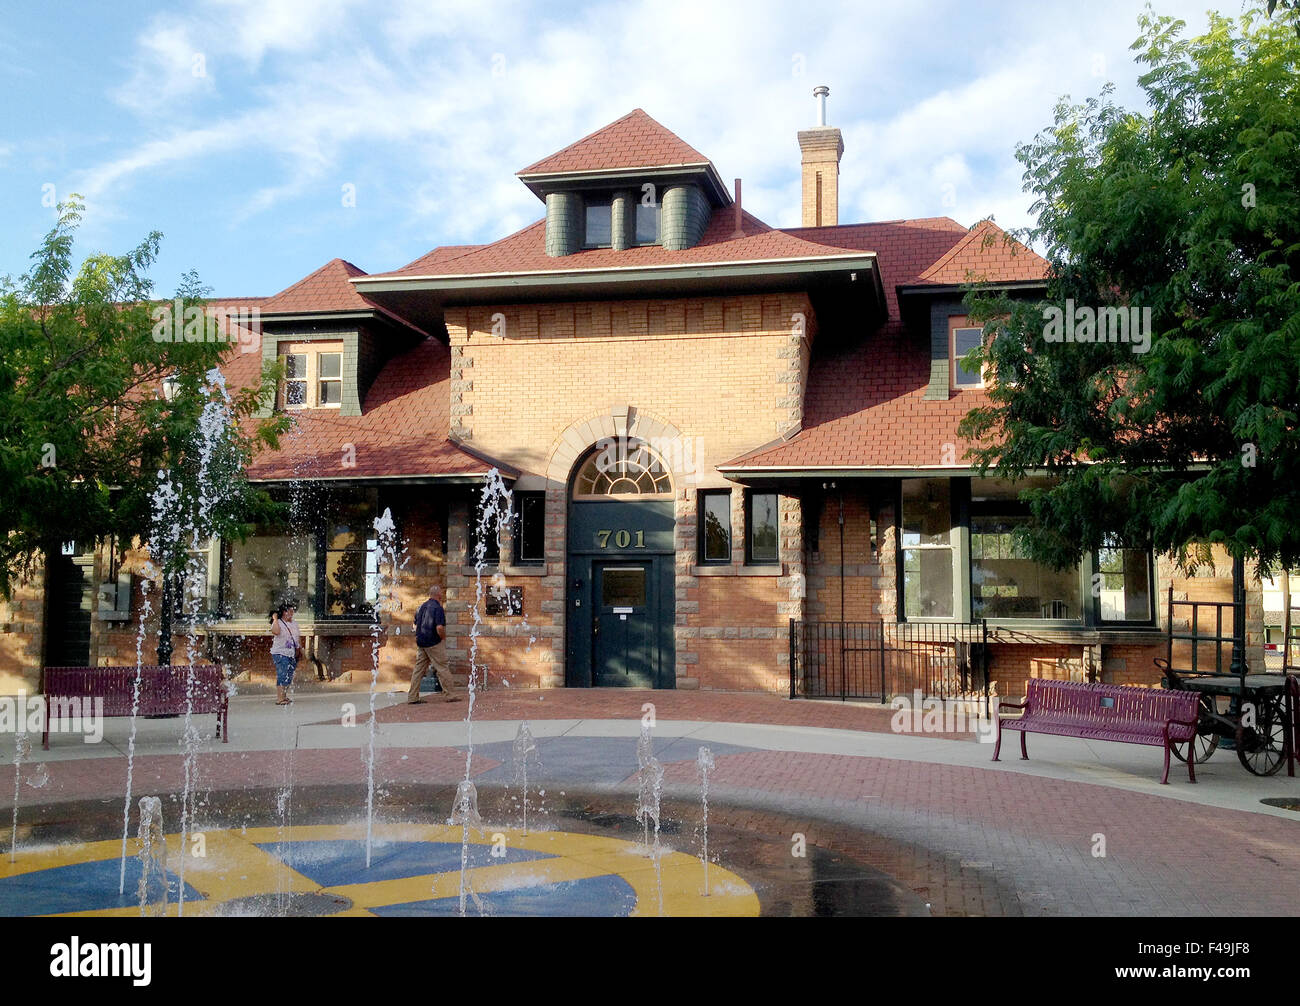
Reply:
x=1080, y=829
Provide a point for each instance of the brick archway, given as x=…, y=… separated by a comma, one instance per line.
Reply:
x=618, y=421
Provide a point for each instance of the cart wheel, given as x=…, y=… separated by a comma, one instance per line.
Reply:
x=1261, y=748
x=1206, y=741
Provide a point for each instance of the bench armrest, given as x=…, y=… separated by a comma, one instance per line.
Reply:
x=1186, y=723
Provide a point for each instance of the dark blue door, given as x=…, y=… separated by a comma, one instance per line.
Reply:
x=623, y=643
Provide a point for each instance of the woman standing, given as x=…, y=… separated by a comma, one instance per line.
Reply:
x=286, y=645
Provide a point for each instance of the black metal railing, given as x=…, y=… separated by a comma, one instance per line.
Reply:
x=877, y=660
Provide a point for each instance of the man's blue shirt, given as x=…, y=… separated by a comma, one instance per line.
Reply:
x=429, y=620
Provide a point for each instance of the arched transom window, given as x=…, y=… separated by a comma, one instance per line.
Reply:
x=620, y=469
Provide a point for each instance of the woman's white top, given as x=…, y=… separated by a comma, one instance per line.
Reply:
x=287, y=639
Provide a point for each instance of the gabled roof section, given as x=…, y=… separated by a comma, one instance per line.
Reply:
x=329, y=288
x=986, y=253
x=904, y=248
x=634, y=141
x=866, y=408
x=403, y=431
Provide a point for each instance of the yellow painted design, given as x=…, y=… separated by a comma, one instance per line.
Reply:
x=235, y=868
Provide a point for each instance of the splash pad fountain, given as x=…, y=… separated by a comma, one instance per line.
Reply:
x=305, y=847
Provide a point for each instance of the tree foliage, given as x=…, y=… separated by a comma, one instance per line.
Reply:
x=1191, y=209
x=84, y=426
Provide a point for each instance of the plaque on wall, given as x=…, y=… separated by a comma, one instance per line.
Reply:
x=509, y=601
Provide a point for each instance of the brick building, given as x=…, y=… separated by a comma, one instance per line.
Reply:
x=715, y=431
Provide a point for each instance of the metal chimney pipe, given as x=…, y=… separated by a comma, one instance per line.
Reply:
x=820, y=92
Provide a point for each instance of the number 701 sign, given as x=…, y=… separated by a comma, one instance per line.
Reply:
x=621, y=538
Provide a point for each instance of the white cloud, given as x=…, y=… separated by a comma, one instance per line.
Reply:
x=443, y=102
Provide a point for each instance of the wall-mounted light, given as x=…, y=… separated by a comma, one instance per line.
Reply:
x=171, y=384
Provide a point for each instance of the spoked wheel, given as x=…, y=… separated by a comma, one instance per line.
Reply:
x=1262, y=747
x=1206, y=741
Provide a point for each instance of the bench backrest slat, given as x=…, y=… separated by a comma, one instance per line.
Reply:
x=162, y=688
x=1113, y=703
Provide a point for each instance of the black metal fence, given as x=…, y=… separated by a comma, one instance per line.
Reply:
x=876, y=660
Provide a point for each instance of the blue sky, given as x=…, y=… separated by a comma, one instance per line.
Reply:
x=233, y=126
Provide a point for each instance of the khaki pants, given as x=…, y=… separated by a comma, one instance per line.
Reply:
x=437, y=656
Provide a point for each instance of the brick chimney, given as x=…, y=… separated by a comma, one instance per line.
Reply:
x=822, y=148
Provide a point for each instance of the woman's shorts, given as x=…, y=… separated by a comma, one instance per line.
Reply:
x=284, y=666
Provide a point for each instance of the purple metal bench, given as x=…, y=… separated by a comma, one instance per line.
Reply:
x=1119, y=713
x=163, y=691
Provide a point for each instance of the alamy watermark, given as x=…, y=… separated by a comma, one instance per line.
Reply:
x=214, y=323
x=657, y=455
x=67, y=714
x=916, y=714
x=1086, y=324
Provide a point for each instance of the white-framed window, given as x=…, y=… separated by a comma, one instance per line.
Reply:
x=928, y=549
x=962, y=338
x=313, y=375
x=197, y=586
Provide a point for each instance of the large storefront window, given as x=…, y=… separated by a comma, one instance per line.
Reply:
x=927, y=548
x=327, y=566
x=960, y=559
x=271, y=569
x=351, y=559
x=1006, y=583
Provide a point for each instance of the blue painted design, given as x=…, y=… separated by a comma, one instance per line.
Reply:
x=336, y=863
x=574, y=760
x=81, y=887
x=607, y=897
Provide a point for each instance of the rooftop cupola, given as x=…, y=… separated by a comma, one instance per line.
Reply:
x=632, y=183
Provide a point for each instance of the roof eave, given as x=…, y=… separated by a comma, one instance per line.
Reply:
x=366, y=314
x=539, y=182
x=617, y=274
x=912, y=289
x=343, y=482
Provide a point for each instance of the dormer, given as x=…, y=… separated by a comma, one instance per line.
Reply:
x=631, y=183
x=331, y=341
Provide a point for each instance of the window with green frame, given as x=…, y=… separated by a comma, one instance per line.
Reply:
x=1122, y=584
x=927, y=538
x=1005, y=582
x=326, y=565
x=715, y=526
x=970, y=525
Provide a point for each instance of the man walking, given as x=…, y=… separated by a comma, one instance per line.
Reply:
x=431, y=648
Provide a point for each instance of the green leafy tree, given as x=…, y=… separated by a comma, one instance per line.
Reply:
x=85, y=427
x=1190, y=210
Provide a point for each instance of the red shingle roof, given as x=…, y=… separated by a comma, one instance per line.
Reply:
x=403, y=429
x=432, y=261
x=865, y=406
x=987, y=252
x=525, y=251
x=634, y=141
x=904, y=248
x=326, y=289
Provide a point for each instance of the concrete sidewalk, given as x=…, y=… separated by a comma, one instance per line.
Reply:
x=316, y=722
